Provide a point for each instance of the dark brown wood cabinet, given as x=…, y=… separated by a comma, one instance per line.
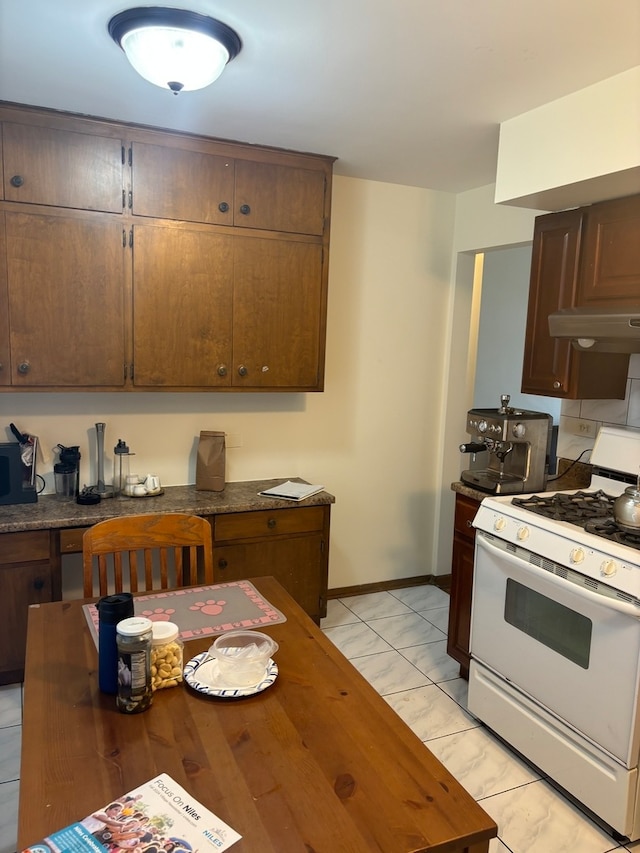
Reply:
x=461, y=592
x=551, y=366
x=27, y=576
x=175, y=261
x=610, y=273
x=292, y=545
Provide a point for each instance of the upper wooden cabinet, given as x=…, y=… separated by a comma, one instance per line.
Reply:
x=135, y=258
x=551, y=366
x=46, y=165
x=610, y=273
x=202, y=186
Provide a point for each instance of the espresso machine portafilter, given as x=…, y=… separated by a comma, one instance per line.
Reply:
x=517, y=443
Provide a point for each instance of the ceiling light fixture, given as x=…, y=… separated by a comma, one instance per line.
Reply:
x=174, y=48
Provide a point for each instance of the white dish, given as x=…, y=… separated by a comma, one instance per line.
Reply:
x=202, y=674
x=153, y=494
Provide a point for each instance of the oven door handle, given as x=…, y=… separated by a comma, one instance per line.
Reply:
x=603, y=600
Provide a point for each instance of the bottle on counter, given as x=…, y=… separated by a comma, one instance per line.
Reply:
x=111, y=610
x=134, y=664
x=166, y=655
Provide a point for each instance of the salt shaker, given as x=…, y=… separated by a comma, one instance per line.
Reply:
x=134, y=664
x=111, y=610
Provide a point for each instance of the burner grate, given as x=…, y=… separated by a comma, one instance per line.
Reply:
x=593, y=511
x=576, y=508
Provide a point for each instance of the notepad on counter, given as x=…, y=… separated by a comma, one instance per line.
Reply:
x=291, y=491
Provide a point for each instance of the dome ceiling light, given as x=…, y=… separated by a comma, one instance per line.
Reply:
x=174, y=48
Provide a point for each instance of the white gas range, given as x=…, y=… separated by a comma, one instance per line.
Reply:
x=555, y=633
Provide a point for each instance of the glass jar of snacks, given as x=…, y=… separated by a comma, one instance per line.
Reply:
x=166, y=655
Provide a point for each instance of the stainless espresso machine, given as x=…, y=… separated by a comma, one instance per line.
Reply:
x=515, y=444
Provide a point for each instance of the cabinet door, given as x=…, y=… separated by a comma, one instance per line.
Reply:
x=177, y=183
x=43, y=165
x=298, y=563
x=5, y=362
x=610, y=273
x=460, y=604
x=182, y=304
x=554, y=278
x=66, y=300
x=278, y=314
x=551, y=366
x=279, y=198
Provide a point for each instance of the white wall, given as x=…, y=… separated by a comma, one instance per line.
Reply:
x=582, y=148
x=369, y=438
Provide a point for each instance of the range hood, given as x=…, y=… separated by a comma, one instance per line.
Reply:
x=598, y=329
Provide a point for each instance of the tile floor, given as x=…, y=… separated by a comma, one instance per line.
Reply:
x=398, y=642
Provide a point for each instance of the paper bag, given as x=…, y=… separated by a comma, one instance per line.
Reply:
x=210, y=463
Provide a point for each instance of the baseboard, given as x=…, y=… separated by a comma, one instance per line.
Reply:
x=441, y=581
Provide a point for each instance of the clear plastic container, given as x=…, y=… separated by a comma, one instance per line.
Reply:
x=242, y=656
x=166, y=655
x=66, y=479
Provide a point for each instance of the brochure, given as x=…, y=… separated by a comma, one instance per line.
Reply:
x=291, y=491
x=157, y=817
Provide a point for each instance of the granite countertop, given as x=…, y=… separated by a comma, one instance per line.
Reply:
x=578, y=477
x=49, y=512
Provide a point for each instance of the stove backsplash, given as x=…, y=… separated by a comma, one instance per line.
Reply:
x=580, y=420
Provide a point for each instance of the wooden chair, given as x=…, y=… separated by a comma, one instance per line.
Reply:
x=176, y=550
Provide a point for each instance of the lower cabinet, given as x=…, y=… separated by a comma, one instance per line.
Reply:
x=27, y=576
x=292, y=545
x=462, y=582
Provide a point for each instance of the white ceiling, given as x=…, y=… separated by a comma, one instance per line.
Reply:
x=409, y=91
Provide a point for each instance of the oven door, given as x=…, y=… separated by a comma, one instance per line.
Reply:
x=574, y=651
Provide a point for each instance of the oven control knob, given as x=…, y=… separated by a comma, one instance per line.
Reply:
x=523, y=533
x=499, y=524
x=608, y=568
x=576, y=555
x=519, y=430
x=482, y=426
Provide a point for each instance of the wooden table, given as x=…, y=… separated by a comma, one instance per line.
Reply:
x=317, y=762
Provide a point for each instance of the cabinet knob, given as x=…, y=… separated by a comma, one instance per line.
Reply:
x=17, y=181
x=469, y=523
x=245, y=209
x=222, y=370
x=557, y=385
x=222, y=564
x=38, y=584
x=24, y=367
x=223, y=207
x=271, y=523
x=242, y=370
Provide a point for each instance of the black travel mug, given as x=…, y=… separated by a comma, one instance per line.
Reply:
x=111, y=610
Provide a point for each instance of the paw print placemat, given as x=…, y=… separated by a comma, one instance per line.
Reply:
x=202, y=611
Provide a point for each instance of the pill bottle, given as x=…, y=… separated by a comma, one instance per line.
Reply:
x=134, y=664
x=166, y=655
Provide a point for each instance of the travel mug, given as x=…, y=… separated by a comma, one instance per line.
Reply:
x=111, y=610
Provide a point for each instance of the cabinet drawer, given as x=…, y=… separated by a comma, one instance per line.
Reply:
x=71, y=540
x=266, y=523
x=24, y=547
x=466, y=509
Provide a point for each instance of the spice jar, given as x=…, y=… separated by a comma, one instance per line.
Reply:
x=133, y=636
x=166, y=655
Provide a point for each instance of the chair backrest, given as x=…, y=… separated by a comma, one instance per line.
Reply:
x=176, y=550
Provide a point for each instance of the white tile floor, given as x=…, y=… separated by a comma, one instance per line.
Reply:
x=398, y=642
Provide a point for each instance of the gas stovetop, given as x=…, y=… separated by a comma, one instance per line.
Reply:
x=592, y=511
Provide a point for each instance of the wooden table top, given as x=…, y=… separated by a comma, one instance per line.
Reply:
x=317, y=762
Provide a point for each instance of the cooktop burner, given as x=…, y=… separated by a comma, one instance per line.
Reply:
x=593, y=511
